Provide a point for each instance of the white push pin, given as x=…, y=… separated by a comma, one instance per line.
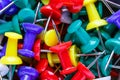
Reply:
x=3, y=70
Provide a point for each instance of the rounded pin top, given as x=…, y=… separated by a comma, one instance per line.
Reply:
x=13, y=35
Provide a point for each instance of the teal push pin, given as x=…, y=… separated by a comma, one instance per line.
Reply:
x=105, y=35
x=110, y=28
x=103, y=65
x=114, y=46
x=87, y=43
x=18, y=3
x=10, y=26
x=26, y=15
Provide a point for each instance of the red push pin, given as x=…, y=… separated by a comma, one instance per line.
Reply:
x=50, y=12
x=83, y=73
x=62, y=51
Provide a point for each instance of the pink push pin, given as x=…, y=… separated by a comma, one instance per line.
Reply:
x=62, y=51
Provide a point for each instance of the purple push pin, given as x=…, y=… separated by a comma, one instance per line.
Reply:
x=31, y=32
x=114, y=19
x=27, y=73
x=2, y=53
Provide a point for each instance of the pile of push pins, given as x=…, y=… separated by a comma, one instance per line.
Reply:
x=59, y=40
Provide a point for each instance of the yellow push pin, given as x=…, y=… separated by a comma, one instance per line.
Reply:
x=52, y=59
x=74, y=54
x=94, y=18
x=73, y=51
x=11, y=57
x=50, y=38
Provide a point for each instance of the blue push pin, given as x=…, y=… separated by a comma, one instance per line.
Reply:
x=87, y=43
x=11, y=10
x=10, y=26
x=2, y=53
x=31, y=32
x=114, y=19
x=18, y=3
x=27, y=73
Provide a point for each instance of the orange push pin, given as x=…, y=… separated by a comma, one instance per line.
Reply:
x=52, y=59
x=94, y=18
x=11, y=57
x=50, y=38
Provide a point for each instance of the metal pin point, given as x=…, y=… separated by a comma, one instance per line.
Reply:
x=40, y=20
x=108, y=62
x=36, y=13
x=92, y=54
x=90, y=65
x=57, y=33
x=47, y=23
x=107, y=5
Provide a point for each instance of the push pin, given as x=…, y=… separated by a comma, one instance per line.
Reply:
x=113, y=45
x=52, y=59
x=10, y=26
x=8, y=11
x=95, y=21
x=11, y=57
x=50, y=38
x=62, y=51
x=83, y=73
x=74, y=56
x=103, y=65
x=26, y=15
x=42, y=65
x=31, y=30
x=65, y=18
x=45, y=2
x=18, y=3
x=87, y=43
x=3, y=70
x=50, y=12
x=46, y=75
x=27, y=73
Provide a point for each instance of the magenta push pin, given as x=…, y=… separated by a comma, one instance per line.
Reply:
x=27, y=73
x=31, y=32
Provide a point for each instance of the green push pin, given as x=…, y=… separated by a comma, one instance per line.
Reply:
x=26, y=15
x=32, y=3
x=87, y=43
x=10, y=26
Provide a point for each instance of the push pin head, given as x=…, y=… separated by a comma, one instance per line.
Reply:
x=42, y=65
x=45, y=2
x=52, y=59
x=103, y=64
x=48, y=75
x=85, y=71
x=73, y=55
x=26, y=15
x=113, y=44
x=11, y=52
x=27, y=73
x=21, y=3
x=50, y=38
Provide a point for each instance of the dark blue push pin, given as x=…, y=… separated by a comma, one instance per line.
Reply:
x=87, y=43
x=2, y=53
x=5, y=4
x=27, y=73
x=32, y=31
x=114, y=19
